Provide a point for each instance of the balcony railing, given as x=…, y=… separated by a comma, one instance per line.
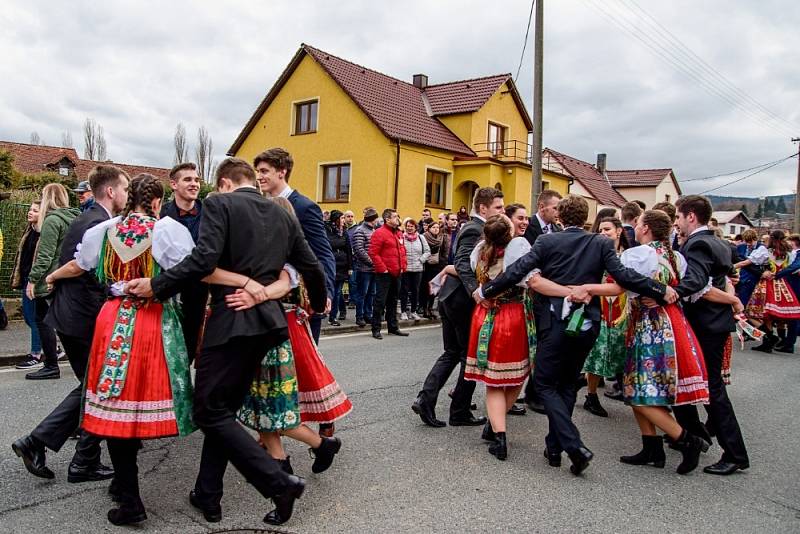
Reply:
x=511, y=150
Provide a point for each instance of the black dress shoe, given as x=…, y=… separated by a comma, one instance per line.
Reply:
x=536, y=406
x=324, y=454
x=725, y=468
x=284, y=503
x=553, y=459
x=33, y=456
x=517, y=409
x=89, y=473
x=468, y=421
x=128, y=513
x=580, y=460
x=399, y=333
x=45, y=373
x=427, y=414
x=211, y=512
x=488, y=434
x=377, y=335
x=593, y=406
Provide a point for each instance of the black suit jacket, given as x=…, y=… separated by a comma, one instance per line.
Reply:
x=77, y=301
x=457, y=291
x=247, y=234
x=706, y=257
x=310, y=216
x=573, y=257
x=534, y=229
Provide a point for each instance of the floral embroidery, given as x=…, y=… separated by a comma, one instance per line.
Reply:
x=115, y=365
x=134, y=228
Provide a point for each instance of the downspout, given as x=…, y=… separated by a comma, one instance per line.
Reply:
x=397, y=172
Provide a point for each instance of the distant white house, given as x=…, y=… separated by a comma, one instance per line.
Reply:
x=733, y=222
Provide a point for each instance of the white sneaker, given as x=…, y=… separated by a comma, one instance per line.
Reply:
x=404, y=316
x=415, y=316
x=61, y=354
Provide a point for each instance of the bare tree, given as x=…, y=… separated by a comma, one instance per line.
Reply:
x=204, y=153
x=35, y=140
x=94, y=141
x=66, y=139
x=101, y=144
x=181, y=150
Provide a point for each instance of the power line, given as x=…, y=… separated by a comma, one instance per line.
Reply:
x=525, y=43
x=734, y=172
x=749, y=175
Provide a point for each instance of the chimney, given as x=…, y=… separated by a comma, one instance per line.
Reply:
x=420, y=81
x=601, y=164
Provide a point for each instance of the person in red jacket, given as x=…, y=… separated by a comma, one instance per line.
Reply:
x=388, y=254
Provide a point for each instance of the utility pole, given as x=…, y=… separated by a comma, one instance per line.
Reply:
x=797, y=189
x=538, y=56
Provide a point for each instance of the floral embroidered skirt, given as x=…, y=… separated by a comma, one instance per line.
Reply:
x=607, y=357
x=665, y=365
x=321, y=398
x=138, y=383
x=272, y=403
x=509, y=355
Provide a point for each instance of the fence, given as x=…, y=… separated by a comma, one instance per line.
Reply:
x=13, y=220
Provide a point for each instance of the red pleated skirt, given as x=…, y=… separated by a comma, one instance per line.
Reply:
x=508, y=357
x=692, y=383
x=781, y=302
x=321, y=398
x=145, y=407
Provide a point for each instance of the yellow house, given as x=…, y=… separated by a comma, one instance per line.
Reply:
x=361, y=138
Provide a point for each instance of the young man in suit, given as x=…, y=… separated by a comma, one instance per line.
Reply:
x=707, y=258
x=274, y=167
x=571, y=258
x=76, y=304
x=455, y=310
x=543, y=222
x=187, y=209
x=244, y=233
x=630, y=213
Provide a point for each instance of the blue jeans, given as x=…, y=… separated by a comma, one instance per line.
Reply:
x=363, y=294
x=337, y=302
x=29, y=314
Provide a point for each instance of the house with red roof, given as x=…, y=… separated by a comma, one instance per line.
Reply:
x=35, y=159
x=361, y=138
x=604, y=188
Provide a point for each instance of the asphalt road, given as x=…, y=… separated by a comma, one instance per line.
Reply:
x=396, y=475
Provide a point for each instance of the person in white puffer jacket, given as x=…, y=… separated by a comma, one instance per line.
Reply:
x=417, y=253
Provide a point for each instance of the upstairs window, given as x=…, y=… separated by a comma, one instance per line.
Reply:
x=435, y=189
x=497, y=139
x=305, y=117
x=336, y=183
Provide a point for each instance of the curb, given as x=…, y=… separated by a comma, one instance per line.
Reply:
x=7, y=360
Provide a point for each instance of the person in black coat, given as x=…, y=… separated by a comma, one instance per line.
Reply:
x=76, y=304
x=343, y=255
x=570, y=258
x=235, y=236
x=455, y=310
x=707, y=258
x=629, y=214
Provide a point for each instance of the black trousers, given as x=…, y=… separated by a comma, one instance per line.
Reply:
x=56, y=428
x=386, y=291
x=315, y=325
x=720, y=410
x=193, y=312
x=455, y=335
x=124, y=454
x=46, y=334
x=409, y=291
x=223, y=378
x=559, y=360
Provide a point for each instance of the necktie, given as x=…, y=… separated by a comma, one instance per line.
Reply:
x=546, y=229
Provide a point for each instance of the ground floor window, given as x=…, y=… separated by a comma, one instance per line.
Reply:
x=336, y=183
x=436, y=189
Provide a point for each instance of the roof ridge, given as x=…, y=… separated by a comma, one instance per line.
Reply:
x=308, y=46
x=506, y=74
x=39, y=146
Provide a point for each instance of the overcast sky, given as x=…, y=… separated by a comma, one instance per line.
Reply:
x=140, y=67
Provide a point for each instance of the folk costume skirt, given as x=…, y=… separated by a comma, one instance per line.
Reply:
x=665, y=365
x=272, y=404
x=138, y=383
x=501, y=344
x=607, y=357
x=321, y=398
x=773, y=299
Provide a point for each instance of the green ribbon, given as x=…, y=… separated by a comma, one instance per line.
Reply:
x=484, y=335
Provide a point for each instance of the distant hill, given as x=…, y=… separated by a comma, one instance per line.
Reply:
x=778, y=203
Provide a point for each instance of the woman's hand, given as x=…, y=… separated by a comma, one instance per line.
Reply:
x=257, y=291
x=241, y=300
x=29, y=290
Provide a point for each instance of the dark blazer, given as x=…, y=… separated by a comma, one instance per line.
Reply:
x=630, y=233
x=573, y=257
x=534, y=229
x=247, y=234
x=77, y=301
x=457, y=291
x=310, y=216
x=706, y=257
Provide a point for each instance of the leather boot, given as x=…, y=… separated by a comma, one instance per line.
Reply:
x=652, y=453
x=690, y=446
x=323, y=455
x=767, y=345
x=286, y=465
x=130, y=511
x=500, y=446
x=593, y=406
x=488, y=434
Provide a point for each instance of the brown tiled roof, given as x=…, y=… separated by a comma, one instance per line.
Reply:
x=587, y=175
x=32, y=159
x=399, y=109
x=641, y=177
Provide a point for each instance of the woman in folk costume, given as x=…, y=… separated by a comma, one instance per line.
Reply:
x=773, y=299
x=502, y=338
x=607, y=358
x=294, y=387
x=664, y=365
x=137, y=383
